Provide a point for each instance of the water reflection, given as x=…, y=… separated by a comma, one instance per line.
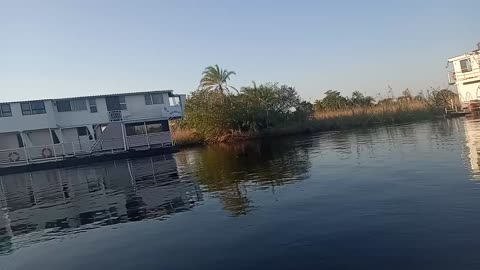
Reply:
x=472, y=138
x=228, y=171
x=338, y=200
x=42, y=205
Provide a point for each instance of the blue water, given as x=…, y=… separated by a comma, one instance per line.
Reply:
x=398, y=197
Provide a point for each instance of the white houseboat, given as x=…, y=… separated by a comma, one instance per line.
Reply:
x=466, y=77
x=40, y=131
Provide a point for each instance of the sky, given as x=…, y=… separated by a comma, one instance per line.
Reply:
x=51, y=49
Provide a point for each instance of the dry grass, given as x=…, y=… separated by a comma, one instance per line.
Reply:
x=391, y=113
x=186, y=137
x=382, y=110
x=388, y=113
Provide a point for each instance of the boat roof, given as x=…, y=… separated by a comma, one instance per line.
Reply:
x=463, y=56
x=94, y=96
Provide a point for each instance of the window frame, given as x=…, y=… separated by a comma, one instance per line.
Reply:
x=4, y=113
x=152, y=126
x=78, y=104
x=133, y=128
x=123, y=103
x=64, y=102
x=82, y=130
x=150, y=100
x=74, y=105
x=467, y=67
x=174, y=101
x=41, y=110
x=26, y=108
x=30, y=110
x=92, y=105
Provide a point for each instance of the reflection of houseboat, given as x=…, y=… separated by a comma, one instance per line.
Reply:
x=40, y=131
x=472, y=134
x=466, y=77
x=107, y=193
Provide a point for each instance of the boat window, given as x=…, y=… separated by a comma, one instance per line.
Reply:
x=33, y=107
x=82, y=131
x=151, y=99
x=135, y=129
x=466, y=65
x=71, y=105
x=92, y=103
x=157, y=126
x=174, y=101
x=5, y=110
x=123, y=103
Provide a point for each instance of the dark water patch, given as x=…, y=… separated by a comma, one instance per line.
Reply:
x=397, y=197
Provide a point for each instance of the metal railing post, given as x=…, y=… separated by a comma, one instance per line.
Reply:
x=63, y=149
x=54, y=152
x=125, y=145
x=27, y=158
x=146, y=133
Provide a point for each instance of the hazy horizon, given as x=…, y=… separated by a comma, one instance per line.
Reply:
x=55, y=49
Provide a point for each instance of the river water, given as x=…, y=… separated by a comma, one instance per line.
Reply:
x=397, y=197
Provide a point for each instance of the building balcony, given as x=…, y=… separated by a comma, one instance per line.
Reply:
x=455, y=77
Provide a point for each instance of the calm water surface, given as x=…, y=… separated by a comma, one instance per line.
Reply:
x=400, y=197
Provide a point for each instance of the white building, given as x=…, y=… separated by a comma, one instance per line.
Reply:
x=466, y=76
x=56, y=129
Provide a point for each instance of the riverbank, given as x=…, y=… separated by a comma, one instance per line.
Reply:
x=360, y=117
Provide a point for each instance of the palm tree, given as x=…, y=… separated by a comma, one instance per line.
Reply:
x=216, y=79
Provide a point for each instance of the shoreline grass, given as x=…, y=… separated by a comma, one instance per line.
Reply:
x=351, y=118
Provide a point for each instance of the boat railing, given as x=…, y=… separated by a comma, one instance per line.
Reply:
x=43, y=153
x=115, y=116
x=61, y=151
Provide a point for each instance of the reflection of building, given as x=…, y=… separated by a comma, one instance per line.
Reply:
x=99, y=195
x=472, y=133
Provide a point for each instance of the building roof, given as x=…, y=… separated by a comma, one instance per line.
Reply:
x=93, y=96
x=463, y=56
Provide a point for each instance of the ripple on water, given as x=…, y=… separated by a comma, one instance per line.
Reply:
x=357, y=199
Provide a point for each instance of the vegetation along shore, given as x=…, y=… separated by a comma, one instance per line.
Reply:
x=218, y=112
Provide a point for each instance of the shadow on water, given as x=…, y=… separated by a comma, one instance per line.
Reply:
x=229, y=170
x=44, y=205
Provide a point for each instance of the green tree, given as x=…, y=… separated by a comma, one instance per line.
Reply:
x=360, y=100
x=303, y=111
x=318, y=105
x=207, y=116
x=266, y=105
x=287, y=98
x=257, y=103
x=216, y=79
x=334, y=101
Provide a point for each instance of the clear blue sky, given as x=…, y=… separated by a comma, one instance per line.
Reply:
x=69, y=48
